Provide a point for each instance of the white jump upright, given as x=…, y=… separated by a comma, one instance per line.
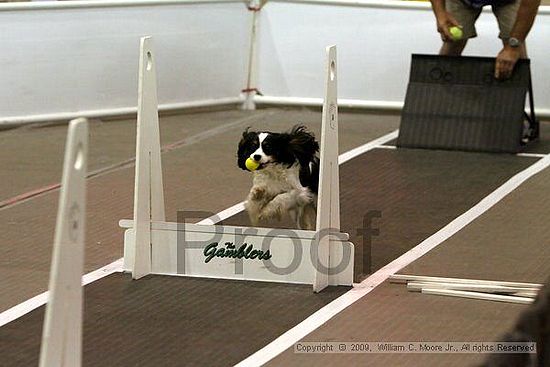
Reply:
x=328, y=202
x=154, y=246
x=62, y=332
x=148, y=190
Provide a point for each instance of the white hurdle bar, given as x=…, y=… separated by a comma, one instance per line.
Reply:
x=62, y=331
x=152, y=246
x=484, y=288
x=478, y=295
x=404, y=278
x=501, y=291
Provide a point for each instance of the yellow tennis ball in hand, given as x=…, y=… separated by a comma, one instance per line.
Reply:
x=251, y=164
x=456, y=33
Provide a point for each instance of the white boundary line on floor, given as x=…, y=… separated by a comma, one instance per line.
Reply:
x=116, y=266
x=224, y=214
x=294, y=335
x=376, y=143
x=25, y=307
x=387, y=147
x=531, y=155
x=528, y=155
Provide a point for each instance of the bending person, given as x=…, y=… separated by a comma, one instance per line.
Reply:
x=515, y=19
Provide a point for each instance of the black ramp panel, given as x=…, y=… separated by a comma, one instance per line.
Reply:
x=456, y=103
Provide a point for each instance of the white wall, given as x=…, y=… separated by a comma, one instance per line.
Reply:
x=63, y=59
x=375, y=42
x=66, y=61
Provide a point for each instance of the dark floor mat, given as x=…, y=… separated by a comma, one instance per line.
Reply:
x=509, y=242
x=196, y=177
x=542, y=145
x=391, y=200
x=172, y=321
x=391, y=314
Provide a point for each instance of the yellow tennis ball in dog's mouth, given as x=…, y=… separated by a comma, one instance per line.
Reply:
x=251, y=164
x=456, y=33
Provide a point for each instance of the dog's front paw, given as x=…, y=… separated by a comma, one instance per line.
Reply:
x=257, y=192
x=271, y=212
x=305, y=197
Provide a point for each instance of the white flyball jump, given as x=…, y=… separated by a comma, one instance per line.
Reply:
x=153, y=246
x=62, y=331
x=328, y=203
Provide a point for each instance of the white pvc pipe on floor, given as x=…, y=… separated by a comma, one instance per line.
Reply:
x=479, y=296
x=403, y=278
x=485, y=288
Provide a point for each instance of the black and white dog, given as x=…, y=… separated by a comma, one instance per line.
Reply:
x=287, y=178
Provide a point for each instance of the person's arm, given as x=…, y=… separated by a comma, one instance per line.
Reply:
x=508, y=56
x=444, y=19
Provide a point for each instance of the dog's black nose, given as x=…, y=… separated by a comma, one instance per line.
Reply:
x=257, y=157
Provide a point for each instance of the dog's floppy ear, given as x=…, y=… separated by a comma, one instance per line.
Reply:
x=303, y=144
x=244, y=146
x=248, y=137
x=246, y=132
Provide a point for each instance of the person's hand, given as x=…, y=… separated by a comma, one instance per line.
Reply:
x=505, y=62
x=445, y=21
